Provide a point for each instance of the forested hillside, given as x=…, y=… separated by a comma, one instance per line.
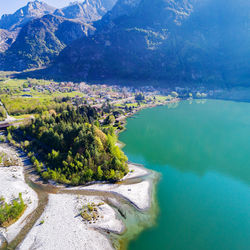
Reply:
x=35, y=34
x=179, y=42
x=74, y=148
x=41, y=40
x=160, y=42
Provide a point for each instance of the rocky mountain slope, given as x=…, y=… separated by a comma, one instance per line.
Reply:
x=86, y=11
x=42, y=36
x=7, y=38
x=41, y=40
x=23, y=15
x=169, y=41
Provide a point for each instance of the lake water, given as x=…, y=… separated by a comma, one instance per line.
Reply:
x=202, y=151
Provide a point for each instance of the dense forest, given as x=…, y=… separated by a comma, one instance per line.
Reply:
x=74, y=148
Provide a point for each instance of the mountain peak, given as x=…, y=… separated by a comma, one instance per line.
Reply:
x=87, y=11
x=36, y=8
x=31, y=10
x=41, y=40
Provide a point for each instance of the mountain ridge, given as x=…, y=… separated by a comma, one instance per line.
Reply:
x=169, y=41
x=86, y=11
x=181, y=41
x=25, y=14
x=27, y=46
x=41, y=40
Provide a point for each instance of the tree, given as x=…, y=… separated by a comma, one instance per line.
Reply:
x=25, y=85
x=139, y=97
x=110, y=119
x=99, y=173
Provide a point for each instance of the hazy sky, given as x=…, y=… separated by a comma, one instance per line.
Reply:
x=10, y=6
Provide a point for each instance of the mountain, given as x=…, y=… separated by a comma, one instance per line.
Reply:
x=7, y=38
x=11, y=24
x=42, y=36
x=41, y=40
x=32, y=10
x=87, y=11
x=127, y=42
x=168, y=41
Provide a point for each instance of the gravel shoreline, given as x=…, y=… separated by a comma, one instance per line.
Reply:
x=61, y=226
x=12, y=182
x=138, y=194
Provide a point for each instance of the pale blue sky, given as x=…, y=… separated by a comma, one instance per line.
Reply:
x=10, y=6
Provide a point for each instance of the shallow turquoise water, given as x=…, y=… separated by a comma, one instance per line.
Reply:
x=203, y=154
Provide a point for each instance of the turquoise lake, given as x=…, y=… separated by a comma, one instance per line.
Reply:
x=202, y=152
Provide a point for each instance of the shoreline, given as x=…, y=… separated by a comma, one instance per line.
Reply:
x=115, y=202
x=137, y=194
x=76, y=232
x=12, y=182
x=136, y=110
x=135, y=190
x=115, y=196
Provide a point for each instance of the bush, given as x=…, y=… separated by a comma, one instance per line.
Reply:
x=45, y=175
x=9, y=213
x=3, y=115
x=2, y=138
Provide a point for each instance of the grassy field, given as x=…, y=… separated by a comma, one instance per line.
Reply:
x=11, y=84
x=21, y=98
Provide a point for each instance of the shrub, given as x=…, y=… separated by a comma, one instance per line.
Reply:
x=9, y=213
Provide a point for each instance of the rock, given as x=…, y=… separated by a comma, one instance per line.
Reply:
x=25, y=14
x=87, y=11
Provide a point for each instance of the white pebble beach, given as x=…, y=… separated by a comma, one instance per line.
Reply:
x=64, y=228
x=12, y=183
